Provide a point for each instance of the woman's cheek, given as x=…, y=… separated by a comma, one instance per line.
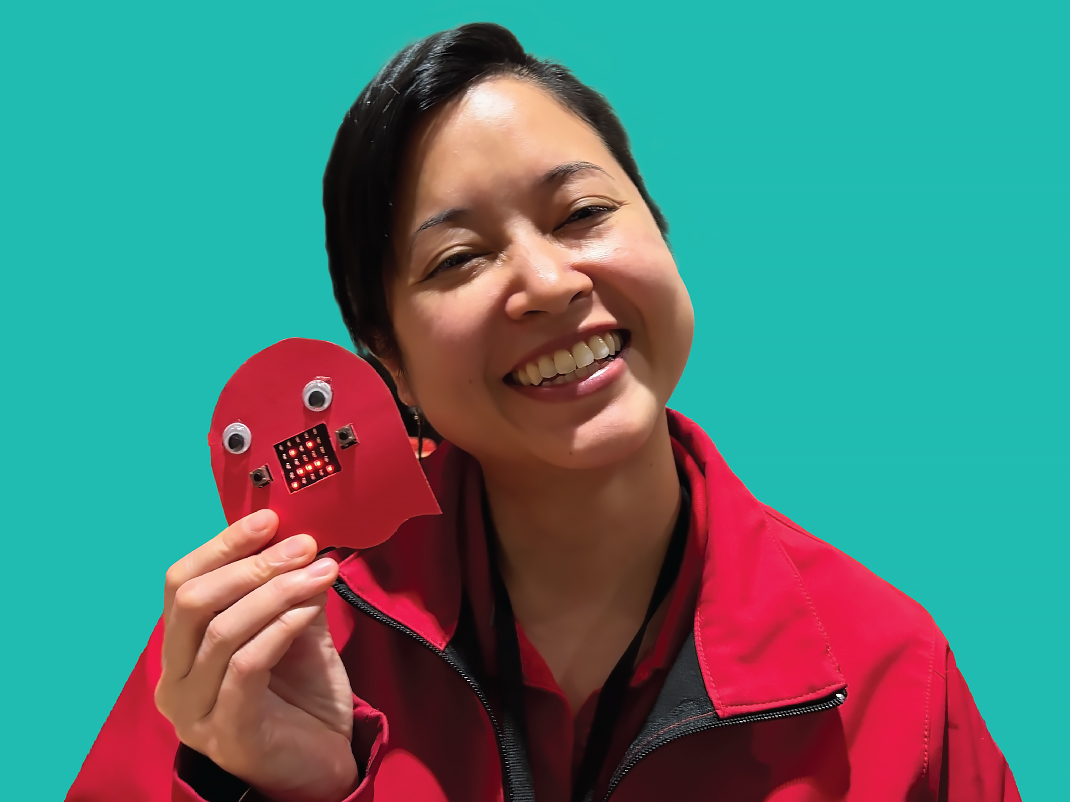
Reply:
x=648, y=279
x=448, y=359
x=643, y=272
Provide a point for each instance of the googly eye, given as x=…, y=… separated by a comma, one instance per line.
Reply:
x=237, y=438
x=317, y=395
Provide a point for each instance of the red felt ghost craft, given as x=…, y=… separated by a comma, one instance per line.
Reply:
x=309, y=430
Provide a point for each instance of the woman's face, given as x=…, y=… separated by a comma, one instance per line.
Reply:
x=523, y=252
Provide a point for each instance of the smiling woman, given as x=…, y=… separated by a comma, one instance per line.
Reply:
x=541, y=241
x=603, y=610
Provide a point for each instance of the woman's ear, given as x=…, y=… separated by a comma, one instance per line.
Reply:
x=401, y=382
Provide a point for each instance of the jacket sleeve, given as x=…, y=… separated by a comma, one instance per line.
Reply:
x=198, y=779
x=965, y=763
x=133, y=755
x=138, y=757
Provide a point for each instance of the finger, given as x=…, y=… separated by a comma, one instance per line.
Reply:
x=201, y=598
x=248, y=673
x=240, y=539
x=232, y=629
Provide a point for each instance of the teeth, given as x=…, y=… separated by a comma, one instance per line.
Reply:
x=598, y=347
x=564, y=362
x=534, y=374
x=578, y=362
x=582, y=353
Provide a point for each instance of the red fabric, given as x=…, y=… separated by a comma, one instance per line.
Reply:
x=558, y=738
x=779, y=618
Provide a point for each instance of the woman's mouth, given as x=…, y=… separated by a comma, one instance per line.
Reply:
x=583, y=359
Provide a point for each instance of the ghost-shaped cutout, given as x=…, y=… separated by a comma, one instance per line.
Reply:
x=309, y=430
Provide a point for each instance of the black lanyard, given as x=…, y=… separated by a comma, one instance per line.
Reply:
x=610, y=698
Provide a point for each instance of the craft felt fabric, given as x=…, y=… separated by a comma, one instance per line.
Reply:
x=784, y=670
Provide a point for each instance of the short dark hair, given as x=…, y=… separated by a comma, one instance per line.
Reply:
x=359, y=183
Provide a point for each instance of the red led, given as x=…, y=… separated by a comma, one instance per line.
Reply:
x=293, y=452
x=294, y=485
x=300, y=472
x=330, y=469
x=318, y=463
x=309, y=444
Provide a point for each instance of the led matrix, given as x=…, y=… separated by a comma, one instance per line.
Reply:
x=307, y=458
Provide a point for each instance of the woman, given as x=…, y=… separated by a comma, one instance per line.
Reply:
x=602, y=610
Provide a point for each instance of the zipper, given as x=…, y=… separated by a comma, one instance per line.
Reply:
x=356, y=601
x=828, y=703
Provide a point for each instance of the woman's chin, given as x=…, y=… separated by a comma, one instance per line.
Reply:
x=617, y=433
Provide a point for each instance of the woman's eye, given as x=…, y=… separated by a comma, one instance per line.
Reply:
x=587, y=212
x=454, y=260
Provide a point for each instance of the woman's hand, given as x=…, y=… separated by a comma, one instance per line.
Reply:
x=251, y=678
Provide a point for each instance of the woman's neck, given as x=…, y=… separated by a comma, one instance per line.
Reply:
x=580, y=553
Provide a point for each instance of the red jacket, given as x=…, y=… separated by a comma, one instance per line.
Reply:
x=799, y=676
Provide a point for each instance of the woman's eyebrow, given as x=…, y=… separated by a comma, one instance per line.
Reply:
x=438, y=219
x=567, y=170
x=435, y=220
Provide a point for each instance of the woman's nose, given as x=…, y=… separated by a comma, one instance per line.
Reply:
x=545, y=280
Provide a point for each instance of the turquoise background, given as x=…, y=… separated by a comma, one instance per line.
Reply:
x=869, y=203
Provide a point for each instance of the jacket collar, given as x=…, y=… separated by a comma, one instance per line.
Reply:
x=759, y=642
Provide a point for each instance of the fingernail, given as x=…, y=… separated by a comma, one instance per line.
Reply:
x=258, y=521
x=321, y=568
x=293, y=547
